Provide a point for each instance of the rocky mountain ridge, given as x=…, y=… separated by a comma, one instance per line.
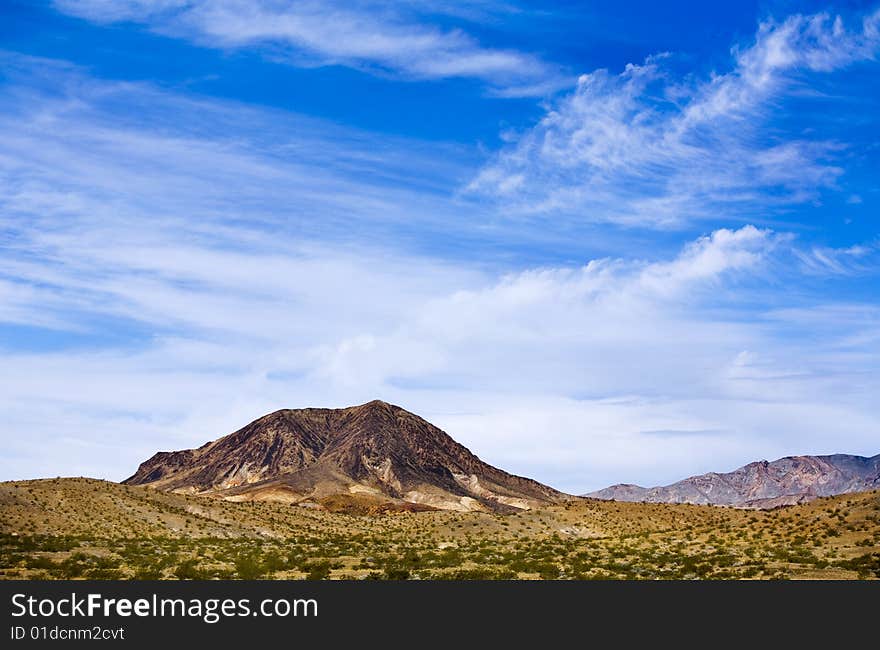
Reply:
x=375, y=455
x=762, y=484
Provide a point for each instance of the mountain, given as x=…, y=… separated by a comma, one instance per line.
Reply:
x=374, y=456
x=787, y=481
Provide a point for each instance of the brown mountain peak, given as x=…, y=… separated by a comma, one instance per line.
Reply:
x=374, y=405
x=375, y=451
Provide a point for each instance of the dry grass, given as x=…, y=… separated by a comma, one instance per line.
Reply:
x=61, y=528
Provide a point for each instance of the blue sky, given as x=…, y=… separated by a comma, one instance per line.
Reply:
x=596, y=242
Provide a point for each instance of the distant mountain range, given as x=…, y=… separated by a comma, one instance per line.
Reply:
x=763, y=484
x=376, y=457
x=371, y=457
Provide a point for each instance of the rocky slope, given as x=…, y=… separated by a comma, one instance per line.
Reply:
x=763, y=484
x=374, y=455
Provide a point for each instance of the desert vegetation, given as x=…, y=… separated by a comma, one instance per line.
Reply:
x=83, y=528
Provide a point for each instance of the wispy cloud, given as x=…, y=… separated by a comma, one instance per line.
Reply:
x=850, y=260
x=647, y=147
x=196, y=272
x=586, y=357
x=384, y=37
x=110, y=154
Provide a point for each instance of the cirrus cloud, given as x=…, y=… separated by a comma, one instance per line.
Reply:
x=646, y=147
x=377, y=36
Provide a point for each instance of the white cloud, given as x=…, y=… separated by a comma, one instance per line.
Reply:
x=126, y=157
x=644, y=147
x=562, y=373
x=849, y=260
x=377, y=36
x=178, y=270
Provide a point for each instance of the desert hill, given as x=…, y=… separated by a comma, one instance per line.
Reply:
x=85, y=528
x=373, y=454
